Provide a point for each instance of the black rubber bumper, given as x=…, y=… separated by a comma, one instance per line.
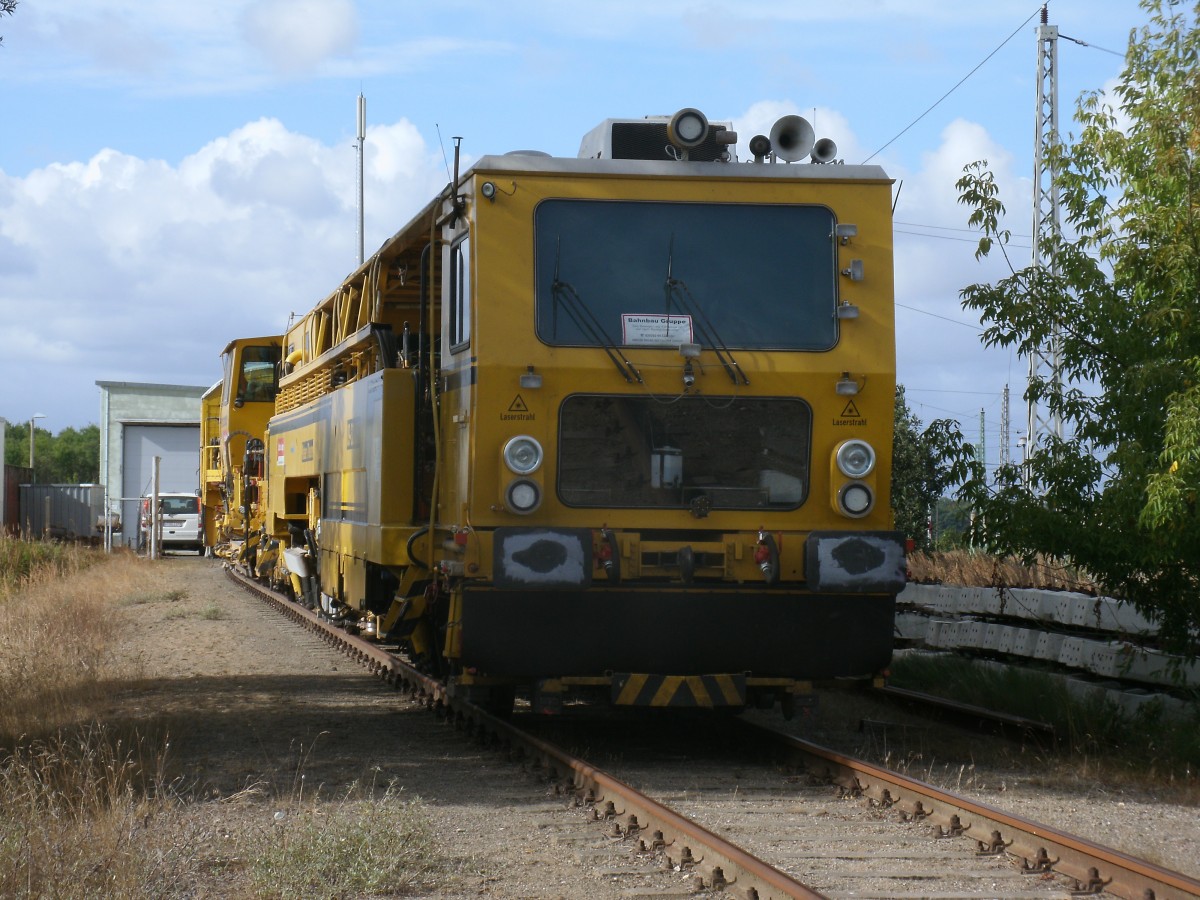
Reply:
x=599, y=630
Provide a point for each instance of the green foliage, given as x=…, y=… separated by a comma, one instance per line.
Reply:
x=7, y=8
x=1118, y=497
x=924, y=465
x=75, y=456
x=70, y=457
x=951, y=524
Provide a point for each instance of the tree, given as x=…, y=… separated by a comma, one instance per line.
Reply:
x=75, y=456
x=1118, y=496
x=70, y=457
x=16, y=444
x=7, y=8
x=922, y=470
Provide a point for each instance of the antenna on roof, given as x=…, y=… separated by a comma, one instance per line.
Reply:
x=362, y=137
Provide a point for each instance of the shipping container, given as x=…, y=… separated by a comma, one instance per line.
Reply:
x=64, y=511
x=14, y=477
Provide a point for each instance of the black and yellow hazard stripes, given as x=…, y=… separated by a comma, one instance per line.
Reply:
x=701, y=691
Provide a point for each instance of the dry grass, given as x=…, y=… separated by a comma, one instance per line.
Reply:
x=94, y=815
x=1151, y=749
x=60, y=619
x=963, y=567
x=89, y=816
x=26, y=562
x=92, y=812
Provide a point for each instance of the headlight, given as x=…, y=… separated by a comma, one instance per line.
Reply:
x=523, y=454
x=523, y=496
x=855, y=499
x=855, y=459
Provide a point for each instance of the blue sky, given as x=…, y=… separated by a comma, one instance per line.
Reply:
x=175, y=174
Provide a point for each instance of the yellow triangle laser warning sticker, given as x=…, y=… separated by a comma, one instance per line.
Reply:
x=518, y=405
x=850, y=412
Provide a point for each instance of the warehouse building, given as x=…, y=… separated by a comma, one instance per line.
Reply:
x=137, y=423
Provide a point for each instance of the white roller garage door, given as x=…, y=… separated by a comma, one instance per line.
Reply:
x=179, y=469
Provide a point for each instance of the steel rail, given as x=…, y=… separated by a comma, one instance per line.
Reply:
x=657, y=828
x=968, y=711
x=1094, y=867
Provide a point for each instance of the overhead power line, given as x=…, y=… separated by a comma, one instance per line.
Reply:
x=1090, y=46
x=948, y=237
x=948, y=228
x=953, y=89
x=926, y=312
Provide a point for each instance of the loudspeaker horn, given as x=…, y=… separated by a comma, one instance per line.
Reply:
x=792, y=138
x=824, y=150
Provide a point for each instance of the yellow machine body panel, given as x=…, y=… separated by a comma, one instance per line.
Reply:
x=212, y=473
x=485, y=405
x=236, y=413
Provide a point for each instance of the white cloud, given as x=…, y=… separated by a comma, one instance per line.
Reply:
x=940, y=359
x=128, y=269
x=298, y=35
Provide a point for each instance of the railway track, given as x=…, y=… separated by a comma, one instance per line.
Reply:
x=976, y=716
x=835, y=826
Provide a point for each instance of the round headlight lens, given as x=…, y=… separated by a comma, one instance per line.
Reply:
x=856, y=500
x=523, y=496
x=855, y=459
x=687, y=128
x=523, y=454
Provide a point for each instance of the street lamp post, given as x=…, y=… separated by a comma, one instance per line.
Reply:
x=31, y=421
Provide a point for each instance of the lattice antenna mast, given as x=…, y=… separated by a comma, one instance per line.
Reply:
x=1045, y=362
x=1005, y=430
x=981, y=447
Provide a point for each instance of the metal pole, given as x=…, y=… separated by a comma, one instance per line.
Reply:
x=362, y=137
x=3, y=477
x=155, y=520
x=32, y=441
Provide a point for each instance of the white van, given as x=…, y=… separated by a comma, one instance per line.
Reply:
x=180, y=522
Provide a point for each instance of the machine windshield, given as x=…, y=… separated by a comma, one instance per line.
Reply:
x=654, y=274
x=259, y=379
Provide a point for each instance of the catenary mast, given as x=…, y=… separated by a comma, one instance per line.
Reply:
x=1044, y=362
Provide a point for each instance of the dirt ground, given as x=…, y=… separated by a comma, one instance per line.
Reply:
x=259, y=710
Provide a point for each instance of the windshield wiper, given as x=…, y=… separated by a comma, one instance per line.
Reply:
x=677, y=287
x=585, y=320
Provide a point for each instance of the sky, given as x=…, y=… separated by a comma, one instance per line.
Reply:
x=176, y=174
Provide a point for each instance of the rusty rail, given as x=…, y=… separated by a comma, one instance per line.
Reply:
x=690, y=847
x=959, y=710
x=1039, y=848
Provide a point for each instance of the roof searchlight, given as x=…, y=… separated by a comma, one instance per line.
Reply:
x=689, y=130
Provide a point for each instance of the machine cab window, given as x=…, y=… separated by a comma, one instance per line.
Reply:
x=258, y=376
x=460, y=294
